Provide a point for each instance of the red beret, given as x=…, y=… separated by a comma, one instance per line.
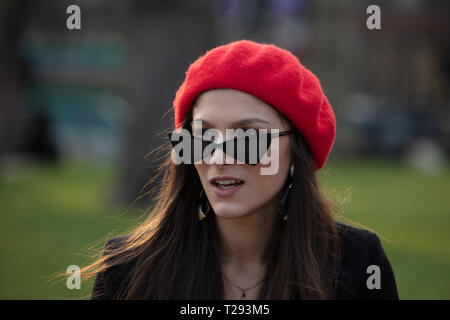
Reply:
x=271, y=74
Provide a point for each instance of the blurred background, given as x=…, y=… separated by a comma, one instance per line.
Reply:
x=81, y=109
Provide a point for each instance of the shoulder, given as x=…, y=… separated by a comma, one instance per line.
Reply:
x=109, y=282
x=355, y=239
x=365, y=270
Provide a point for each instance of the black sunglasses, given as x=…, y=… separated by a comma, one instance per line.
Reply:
x=246, y=141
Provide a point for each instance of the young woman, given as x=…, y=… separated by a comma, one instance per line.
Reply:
x=222, y=227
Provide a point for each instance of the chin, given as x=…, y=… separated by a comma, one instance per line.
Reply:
x=227, y=211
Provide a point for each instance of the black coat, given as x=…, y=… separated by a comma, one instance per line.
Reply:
x=359, y=249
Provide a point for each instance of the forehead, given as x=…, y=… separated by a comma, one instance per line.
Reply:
x=225, y=107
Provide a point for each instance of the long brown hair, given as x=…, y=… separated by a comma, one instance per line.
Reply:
x=176, y=256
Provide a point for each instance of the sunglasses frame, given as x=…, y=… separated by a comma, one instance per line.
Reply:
x=219, y=145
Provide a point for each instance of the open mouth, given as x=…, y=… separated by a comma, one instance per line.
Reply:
x=227, y=184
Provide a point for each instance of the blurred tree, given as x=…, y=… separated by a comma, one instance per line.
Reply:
x=11, y=72
x=165, y=37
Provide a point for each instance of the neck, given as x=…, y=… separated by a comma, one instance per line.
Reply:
x=245, y=239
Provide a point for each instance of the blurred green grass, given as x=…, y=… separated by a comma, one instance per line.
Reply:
x=51, y=214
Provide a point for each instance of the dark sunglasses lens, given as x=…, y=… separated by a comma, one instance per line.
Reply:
x=248, y=149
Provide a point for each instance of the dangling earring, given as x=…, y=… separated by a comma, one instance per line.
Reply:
x=283, y=201
x=204, y=207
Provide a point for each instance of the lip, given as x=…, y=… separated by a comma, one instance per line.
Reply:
x=225, y=192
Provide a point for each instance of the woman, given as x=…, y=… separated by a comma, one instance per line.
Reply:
x=222, y=227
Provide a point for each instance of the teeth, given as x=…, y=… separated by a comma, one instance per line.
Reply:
x=224, y=183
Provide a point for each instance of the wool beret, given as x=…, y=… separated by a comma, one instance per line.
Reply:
x=271, y=74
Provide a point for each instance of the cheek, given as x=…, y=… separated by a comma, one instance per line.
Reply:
x=272, y=184
x=266, y=184
x=261, y=191
x=263, y=188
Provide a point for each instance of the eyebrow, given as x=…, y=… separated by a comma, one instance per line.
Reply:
x=238, y=123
